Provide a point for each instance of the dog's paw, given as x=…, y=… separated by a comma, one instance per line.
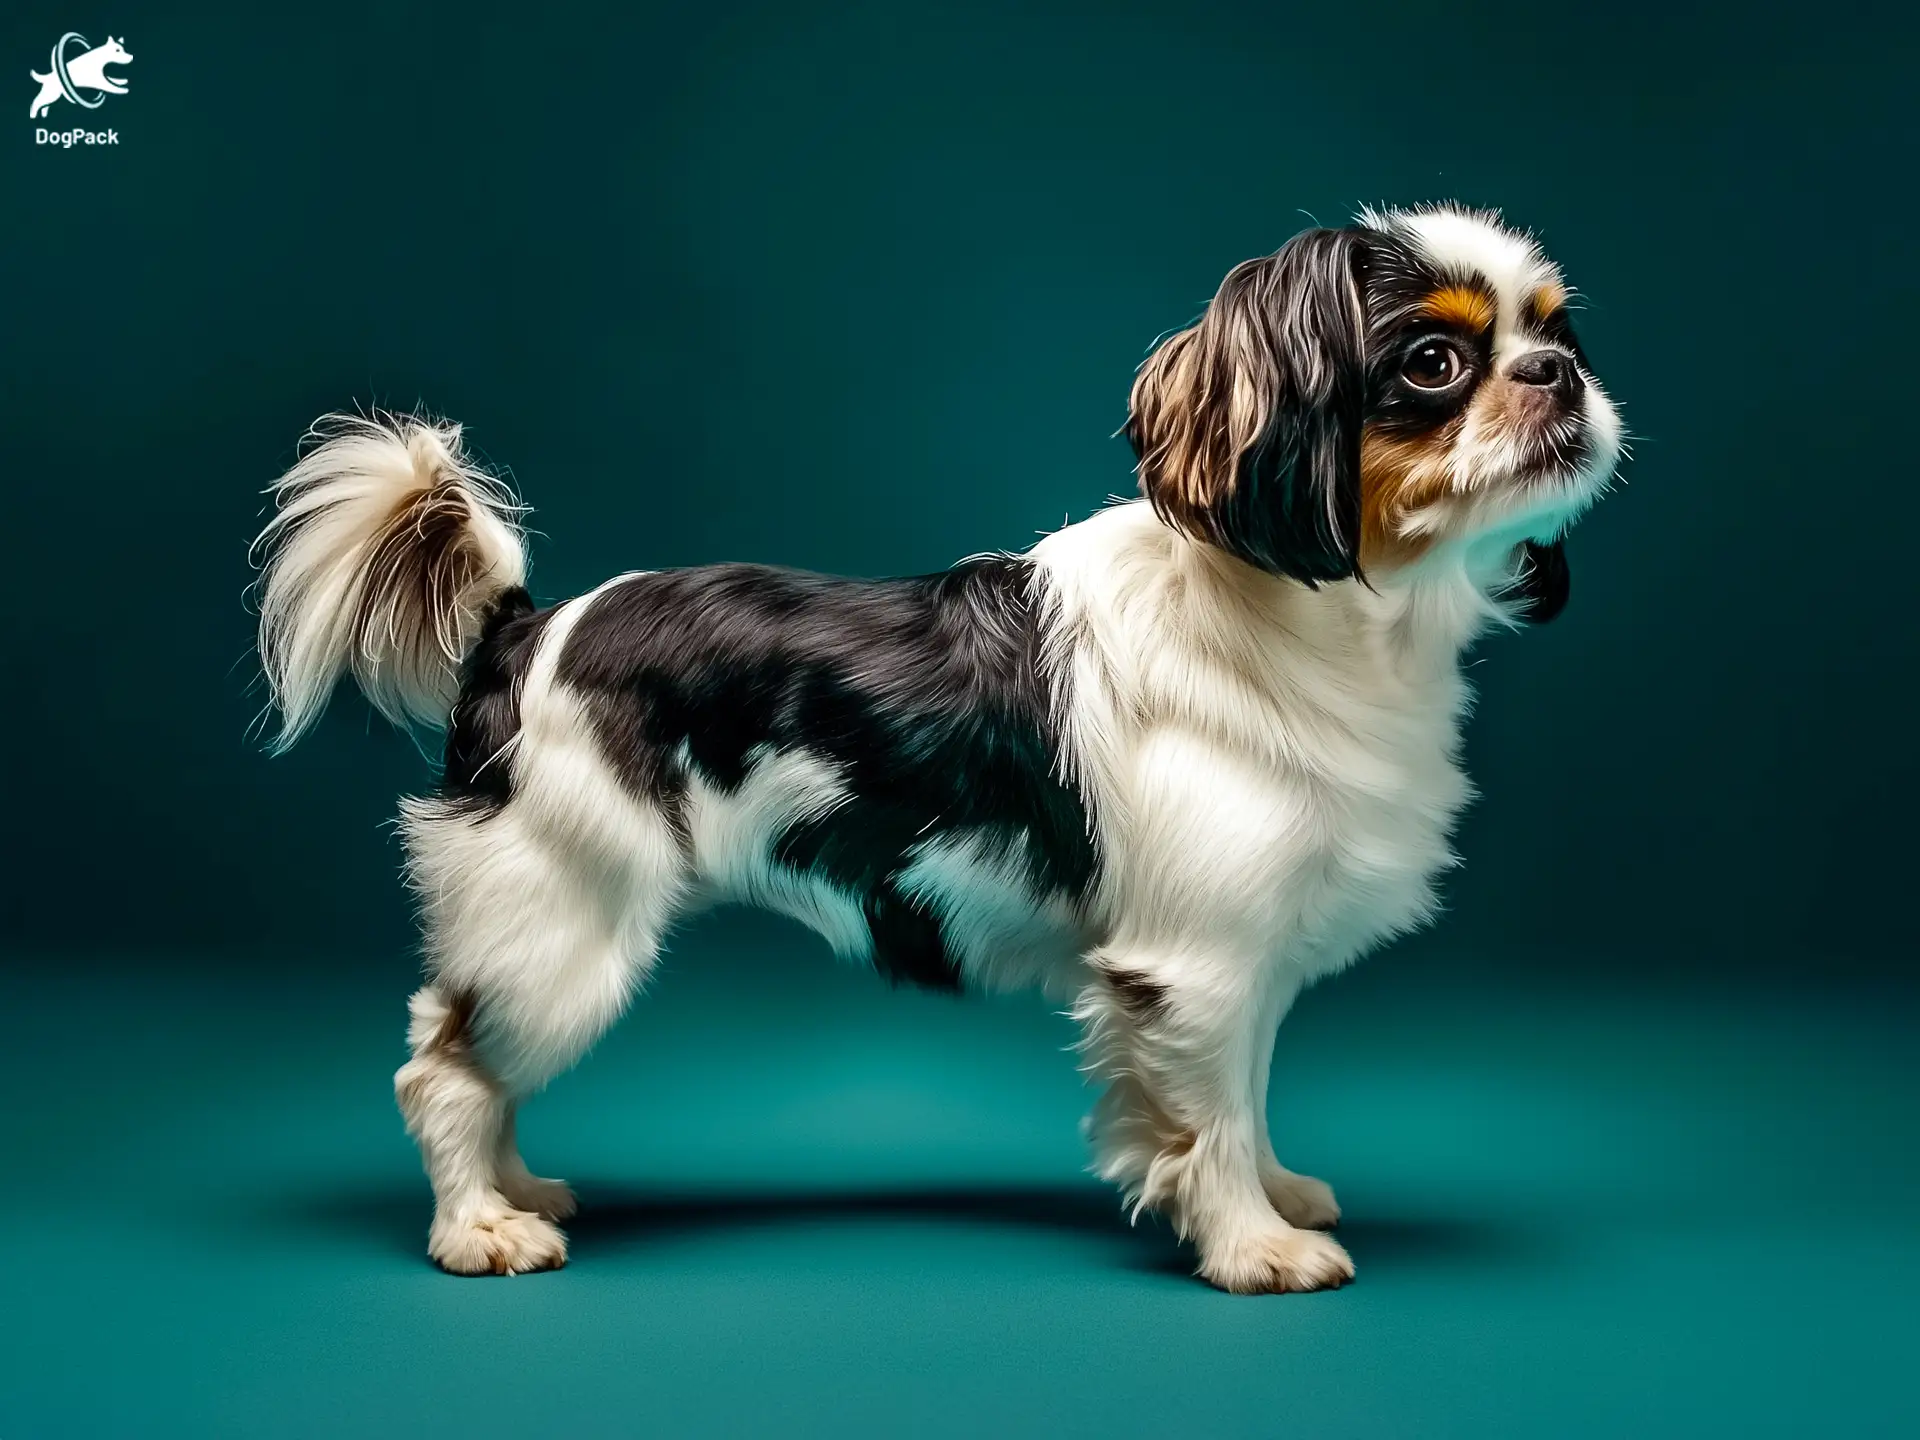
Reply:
x=549, y=1199
x=1301, y=1199
x=496, y=1241
x=1277, y=1260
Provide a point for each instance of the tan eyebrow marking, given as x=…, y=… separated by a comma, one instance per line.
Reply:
x=1547, y=299
x=1460, y=305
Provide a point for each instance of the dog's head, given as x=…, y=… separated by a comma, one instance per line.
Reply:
x=1366, y=396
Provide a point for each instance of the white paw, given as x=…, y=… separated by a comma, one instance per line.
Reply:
x=1301, y=1199
x=550, y=1199
x=496, y=1241
x=1277, y=1260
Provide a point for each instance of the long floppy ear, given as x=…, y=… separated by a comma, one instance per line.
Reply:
x=1247, y=426
x=1543, y=584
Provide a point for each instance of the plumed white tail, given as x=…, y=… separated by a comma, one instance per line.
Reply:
x=388, y=549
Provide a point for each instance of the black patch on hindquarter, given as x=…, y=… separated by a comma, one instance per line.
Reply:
x=926, y=693
x=486, y=717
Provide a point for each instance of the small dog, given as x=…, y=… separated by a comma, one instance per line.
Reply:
x=1174, y=762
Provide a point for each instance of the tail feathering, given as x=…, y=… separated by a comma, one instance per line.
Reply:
x=388, y=549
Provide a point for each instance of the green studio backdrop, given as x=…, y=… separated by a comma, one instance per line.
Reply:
x=1626, y=1142
x=862, y=290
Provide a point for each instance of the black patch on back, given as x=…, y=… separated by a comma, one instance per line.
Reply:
x=486, y=717
x=926, y=693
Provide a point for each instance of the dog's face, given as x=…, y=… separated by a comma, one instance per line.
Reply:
x=1367, y=395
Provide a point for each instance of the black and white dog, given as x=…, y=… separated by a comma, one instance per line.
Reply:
x=1175, y=762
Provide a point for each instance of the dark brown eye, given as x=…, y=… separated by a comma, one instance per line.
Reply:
x=1433, y=365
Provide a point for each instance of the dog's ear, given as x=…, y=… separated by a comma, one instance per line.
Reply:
x=1543, y=583
x=1247, y=426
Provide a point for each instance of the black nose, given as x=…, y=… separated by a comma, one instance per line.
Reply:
x=1550, y=370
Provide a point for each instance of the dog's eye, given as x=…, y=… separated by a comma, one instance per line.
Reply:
x=1433, y=365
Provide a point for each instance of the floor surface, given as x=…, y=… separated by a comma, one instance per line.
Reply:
x=811, y=1206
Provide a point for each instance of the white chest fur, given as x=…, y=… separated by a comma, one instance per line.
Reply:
x=1271, y=769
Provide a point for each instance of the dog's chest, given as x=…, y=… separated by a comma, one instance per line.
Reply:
x=1302, y=804
x=1375, y=813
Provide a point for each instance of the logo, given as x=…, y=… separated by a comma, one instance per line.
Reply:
x=78, y=72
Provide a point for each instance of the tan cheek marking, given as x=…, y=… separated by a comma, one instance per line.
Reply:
x=1399, y=476
x=1460, y=305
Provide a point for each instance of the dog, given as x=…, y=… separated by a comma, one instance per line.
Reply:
x=87, y=71
x=1173, y=763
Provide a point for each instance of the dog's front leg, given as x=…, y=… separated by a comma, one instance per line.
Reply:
x=1179, y=1127
x=1300, y=1199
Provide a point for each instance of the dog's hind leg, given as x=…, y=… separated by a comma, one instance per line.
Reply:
x=538, y=934
x=455, y=1109
x=476, y=1053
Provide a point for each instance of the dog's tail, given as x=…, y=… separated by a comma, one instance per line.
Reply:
x=389, y=550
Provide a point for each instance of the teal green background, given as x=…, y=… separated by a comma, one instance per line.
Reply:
x=1626, y=1144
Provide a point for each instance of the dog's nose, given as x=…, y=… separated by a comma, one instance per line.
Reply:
x=1550, y=370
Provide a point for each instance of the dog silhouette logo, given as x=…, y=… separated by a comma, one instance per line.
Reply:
x=73, y=71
